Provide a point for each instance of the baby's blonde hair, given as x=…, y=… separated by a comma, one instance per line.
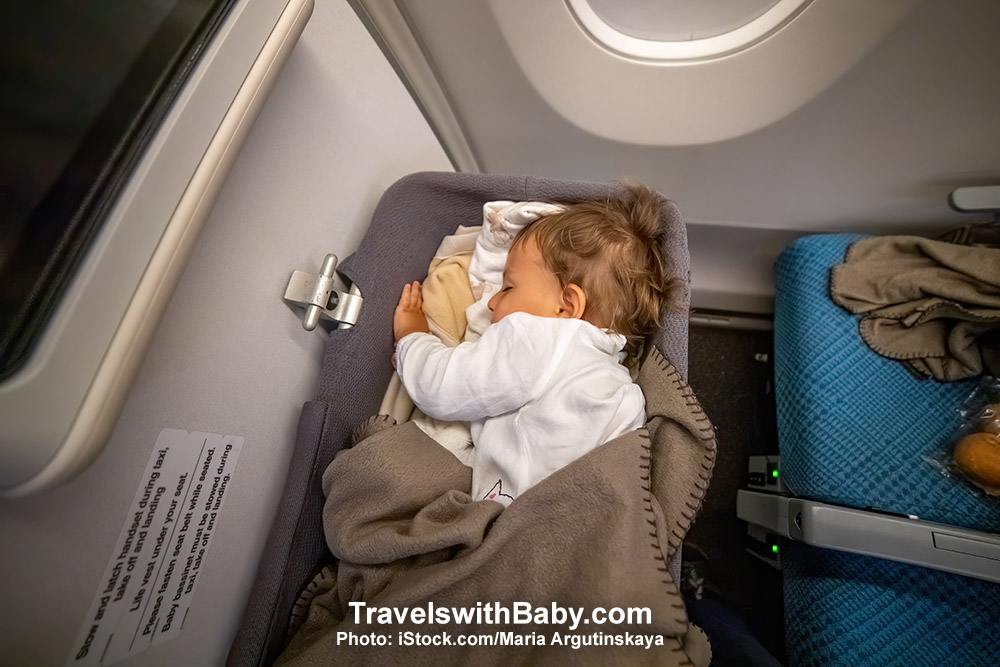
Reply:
x=613, y=249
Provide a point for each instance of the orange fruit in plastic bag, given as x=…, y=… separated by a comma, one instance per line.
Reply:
x=978, y=457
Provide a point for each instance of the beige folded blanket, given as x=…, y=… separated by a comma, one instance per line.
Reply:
x=597, y=533
x=933, y=305
x=447, y=294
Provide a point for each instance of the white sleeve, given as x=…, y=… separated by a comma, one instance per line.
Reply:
x=492, y=376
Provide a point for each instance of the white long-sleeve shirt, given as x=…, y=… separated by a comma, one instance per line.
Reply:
x=539, y=393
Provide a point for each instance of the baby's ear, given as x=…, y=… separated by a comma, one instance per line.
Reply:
x=572, y=302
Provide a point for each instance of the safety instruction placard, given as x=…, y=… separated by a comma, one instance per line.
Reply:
x=149, y=582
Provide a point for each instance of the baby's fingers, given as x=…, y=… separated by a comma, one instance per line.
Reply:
x=409, y=317
x=410, y=298
x=417, y=295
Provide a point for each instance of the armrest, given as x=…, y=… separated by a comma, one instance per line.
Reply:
x=907, y=539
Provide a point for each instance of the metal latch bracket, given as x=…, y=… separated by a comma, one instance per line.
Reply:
x=320, y=297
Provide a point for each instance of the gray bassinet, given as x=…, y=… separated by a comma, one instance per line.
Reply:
x=412, y=217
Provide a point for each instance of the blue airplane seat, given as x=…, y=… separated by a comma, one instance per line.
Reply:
x=847, y=609
x=859, y=430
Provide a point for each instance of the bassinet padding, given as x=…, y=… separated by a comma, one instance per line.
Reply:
x=409, y=222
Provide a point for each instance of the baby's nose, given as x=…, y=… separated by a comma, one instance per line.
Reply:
x=489, y=304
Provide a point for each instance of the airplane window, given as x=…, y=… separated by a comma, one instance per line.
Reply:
x=83, y=87
x=682, y=30
x=678, y=20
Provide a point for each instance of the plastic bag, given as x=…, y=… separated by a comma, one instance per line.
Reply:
x=976, y=454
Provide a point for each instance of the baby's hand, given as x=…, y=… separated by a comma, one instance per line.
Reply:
x=409, y=316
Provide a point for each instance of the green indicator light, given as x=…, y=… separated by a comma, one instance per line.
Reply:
x=774, y=548
x=774, y=473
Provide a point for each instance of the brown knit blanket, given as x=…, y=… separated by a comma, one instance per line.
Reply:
x=596, y=535
x=932, y=305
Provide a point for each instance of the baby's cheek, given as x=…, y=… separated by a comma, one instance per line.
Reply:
x=498, y=314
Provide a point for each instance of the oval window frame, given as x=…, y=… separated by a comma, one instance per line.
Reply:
x=687, y=51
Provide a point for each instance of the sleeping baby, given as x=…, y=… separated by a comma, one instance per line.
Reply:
x=545, y=383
